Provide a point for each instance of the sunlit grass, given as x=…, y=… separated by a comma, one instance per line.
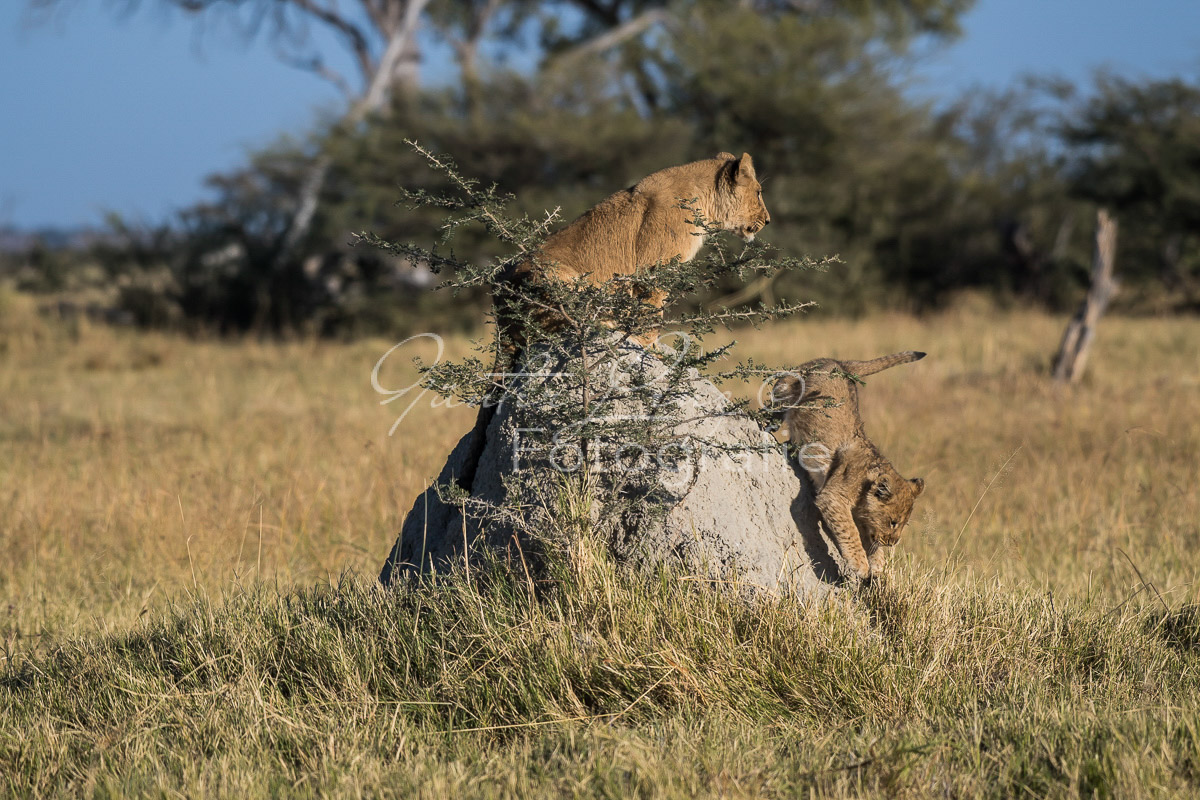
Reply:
x=179, y=515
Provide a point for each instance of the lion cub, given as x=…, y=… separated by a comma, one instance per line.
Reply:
x=632, y=230
x=636, y=229
x=857, y=489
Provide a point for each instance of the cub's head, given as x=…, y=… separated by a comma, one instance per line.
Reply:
x=741, y=197
x=886, y=505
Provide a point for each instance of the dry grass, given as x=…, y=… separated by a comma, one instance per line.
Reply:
x=1014, y=649
x=1061, y=480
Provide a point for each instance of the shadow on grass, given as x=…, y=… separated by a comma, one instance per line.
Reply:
x=1180, y=629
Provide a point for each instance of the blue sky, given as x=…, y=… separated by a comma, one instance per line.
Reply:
x=102, y=113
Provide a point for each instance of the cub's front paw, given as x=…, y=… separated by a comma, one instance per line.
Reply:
x=862, y=571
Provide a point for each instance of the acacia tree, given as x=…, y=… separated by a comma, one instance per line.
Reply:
x=381, y=36
x=608, y=90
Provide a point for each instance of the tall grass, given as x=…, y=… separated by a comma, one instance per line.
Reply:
x=190, y=532
x=609, y=686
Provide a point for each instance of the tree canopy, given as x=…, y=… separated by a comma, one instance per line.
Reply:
x=561, y=102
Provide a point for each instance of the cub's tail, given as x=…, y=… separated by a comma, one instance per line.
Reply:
x=864, y=368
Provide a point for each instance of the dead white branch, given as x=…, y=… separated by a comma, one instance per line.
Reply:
x=1081, y=330
x=607, y=41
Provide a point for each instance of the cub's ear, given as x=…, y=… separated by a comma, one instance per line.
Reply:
x=918, y=485
x=723, y=156
x=882, y=488
x=745, y=169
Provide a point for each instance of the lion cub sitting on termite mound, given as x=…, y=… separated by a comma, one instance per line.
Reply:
x=639, y=227
x=629, y=231
x=857, y=489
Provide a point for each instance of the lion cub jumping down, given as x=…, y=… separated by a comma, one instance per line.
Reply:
x=857, y=489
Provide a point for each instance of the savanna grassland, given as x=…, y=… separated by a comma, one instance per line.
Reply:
x=190, y=531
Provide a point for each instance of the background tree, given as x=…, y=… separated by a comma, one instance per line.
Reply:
x=1136, y=151
x=380, y=35
x=792, y=83
x=995, y=191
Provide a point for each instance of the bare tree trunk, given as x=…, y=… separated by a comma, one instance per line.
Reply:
x=611, y=38
x=1081, y=330
x=397, y=67
x=310, y=192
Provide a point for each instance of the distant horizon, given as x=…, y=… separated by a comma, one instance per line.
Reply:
x=149, y=116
